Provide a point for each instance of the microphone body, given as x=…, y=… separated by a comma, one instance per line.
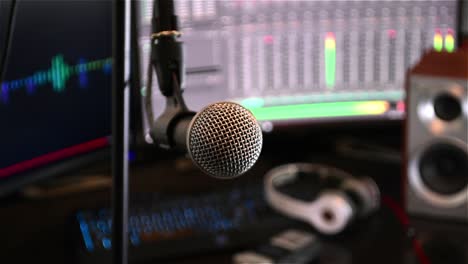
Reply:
x=224, y=139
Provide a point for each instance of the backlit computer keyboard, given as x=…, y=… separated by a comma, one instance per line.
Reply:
x=166, y=227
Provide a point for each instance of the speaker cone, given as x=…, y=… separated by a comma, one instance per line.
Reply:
x=444, y=168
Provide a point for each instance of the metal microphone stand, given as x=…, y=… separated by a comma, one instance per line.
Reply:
x=123, y=41
x=120, y=127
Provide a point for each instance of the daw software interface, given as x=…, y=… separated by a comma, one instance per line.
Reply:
x=304, y=60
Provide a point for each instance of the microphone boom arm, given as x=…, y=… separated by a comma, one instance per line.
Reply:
x=167, y=60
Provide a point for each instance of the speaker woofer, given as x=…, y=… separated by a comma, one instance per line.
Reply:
x=444, y=168
x=438, y=172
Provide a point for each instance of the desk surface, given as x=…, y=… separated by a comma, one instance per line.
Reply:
x=37, y=230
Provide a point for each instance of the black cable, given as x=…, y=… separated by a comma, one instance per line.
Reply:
x=163, y=13
x=8, y=39
x=461, y=17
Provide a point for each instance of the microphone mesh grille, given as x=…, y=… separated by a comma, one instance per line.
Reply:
x=225, y=140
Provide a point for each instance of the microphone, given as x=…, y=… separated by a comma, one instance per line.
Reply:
x=224, y=139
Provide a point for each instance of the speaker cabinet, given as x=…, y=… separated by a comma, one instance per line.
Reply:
x=436, y=150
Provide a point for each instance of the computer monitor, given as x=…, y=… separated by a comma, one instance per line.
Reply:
x=55, y=100
x=306, y=61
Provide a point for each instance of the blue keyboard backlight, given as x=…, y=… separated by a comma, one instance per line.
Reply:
x=212, y=213
x=86, y=235
x=106, y=243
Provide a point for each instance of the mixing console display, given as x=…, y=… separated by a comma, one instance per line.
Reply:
x=295, y=52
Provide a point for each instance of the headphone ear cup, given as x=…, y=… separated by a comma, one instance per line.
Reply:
x=365, y=192
x=332, y=212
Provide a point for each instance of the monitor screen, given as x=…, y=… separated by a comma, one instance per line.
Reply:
x=305, y=60
x=55, y=100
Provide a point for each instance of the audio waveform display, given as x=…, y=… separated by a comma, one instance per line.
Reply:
x=57, y=75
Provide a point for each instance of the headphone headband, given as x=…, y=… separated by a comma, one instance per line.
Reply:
x=333, y=209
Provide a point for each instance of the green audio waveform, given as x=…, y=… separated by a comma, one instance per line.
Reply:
x=57, y=75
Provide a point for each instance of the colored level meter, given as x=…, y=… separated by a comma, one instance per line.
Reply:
x=330, y=59
x=449, y=41
x=438, y=41
x=320, y=110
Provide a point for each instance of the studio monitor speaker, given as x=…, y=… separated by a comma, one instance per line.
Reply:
x=436, y=150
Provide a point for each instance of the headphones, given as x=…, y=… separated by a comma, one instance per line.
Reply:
x=328, y=198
